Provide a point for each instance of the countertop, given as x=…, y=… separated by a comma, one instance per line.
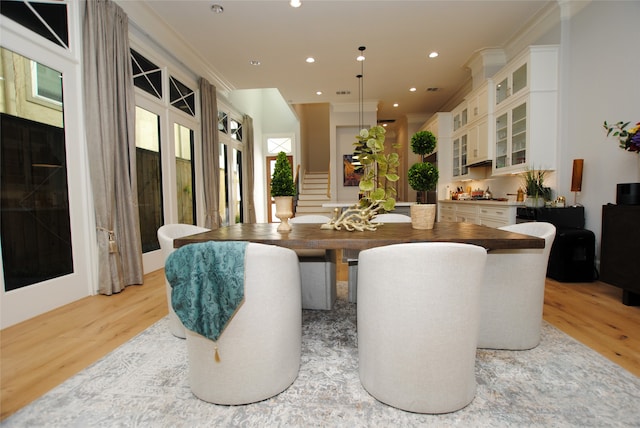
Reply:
x=484, y=202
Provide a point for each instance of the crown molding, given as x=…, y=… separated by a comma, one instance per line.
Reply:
x=538, y=26
x=145, y=22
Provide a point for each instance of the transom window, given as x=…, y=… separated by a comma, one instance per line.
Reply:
x=276, y=145
x=146, y=75
x=181, y=96
x=48, y=20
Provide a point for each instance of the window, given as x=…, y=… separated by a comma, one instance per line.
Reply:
x=185, y=179
x=35, y=216
x=231, y=169
x=48, y=20
x=146, y=75
x=149, y=174
x=276, y=145
x=166, y=121
x=46, y=83
x=182, y=97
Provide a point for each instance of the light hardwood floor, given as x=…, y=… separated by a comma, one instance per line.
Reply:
x=40, y=353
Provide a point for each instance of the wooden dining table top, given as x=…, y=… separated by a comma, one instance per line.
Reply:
x=311, y=236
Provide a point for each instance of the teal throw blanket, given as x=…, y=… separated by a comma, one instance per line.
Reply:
x=207, y=284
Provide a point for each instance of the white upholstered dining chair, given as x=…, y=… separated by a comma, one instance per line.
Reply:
x=417, y=314
x=317, y=270
x=166, y=234
x=351, y=256
x=512, y=299
x=257, y=355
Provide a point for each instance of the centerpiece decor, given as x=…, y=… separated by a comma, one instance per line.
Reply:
x=282, y=190
x=377, y=185
x=423, y=176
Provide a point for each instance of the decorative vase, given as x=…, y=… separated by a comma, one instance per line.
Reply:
x=534, y=202
x=423, y=216
x=284, y=211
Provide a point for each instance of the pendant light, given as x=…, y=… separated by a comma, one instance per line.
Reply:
x=360, y=77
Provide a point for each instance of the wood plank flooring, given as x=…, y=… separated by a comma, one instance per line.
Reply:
x=40, y=353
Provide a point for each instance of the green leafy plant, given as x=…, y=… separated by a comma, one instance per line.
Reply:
x=628, y=140
x=423, y=176
x=534, y=184
x=378, y=184
x=282, y=180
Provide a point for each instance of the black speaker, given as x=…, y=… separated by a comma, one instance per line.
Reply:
x=628, y=194
x=572, y=256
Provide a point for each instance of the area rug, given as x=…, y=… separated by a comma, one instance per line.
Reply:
x=143, y=383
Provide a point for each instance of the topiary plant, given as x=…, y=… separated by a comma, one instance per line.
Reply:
x=423, y=176
x=282, y=180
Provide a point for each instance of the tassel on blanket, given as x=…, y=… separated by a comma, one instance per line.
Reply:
x=216, y=356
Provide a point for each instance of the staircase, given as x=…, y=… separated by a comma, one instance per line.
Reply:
x=313, y=193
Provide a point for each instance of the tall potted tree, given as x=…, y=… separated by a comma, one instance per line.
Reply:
x=282, y=190
x=423, y=176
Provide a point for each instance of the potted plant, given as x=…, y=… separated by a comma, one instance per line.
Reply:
x=423, y=176
x=282, y=190
x=380, y=170
x=534, y=187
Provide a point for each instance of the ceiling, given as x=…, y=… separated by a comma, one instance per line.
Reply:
x=398, y=36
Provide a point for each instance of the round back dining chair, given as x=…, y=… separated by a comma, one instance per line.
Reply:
x=513, y=292
x=417, y=314
x=166, y=234
x=257, y=355
x=391, y=218
x=351, y=256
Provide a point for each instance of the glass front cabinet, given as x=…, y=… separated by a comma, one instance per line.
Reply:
x=526, y=122
x=478, y=128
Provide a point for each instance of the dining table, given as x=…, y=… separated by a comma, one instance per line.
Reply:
x=312, y=236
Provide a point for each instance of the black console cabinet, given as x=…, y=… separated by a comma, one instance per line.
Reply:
x=619, y=263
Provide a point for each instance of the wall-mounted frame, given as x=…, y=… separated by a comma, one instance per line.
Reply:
x=351, y=177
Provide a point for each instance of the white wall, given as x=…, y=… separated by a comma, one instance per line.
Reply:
x=603, y=83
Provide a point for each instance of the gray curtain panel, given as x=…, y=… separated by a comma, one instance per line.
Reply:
x=210, y=154
x=110, y=123
x=247, y=124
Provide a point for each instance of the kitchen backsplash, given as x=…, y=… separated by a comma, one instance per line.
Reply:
x=501, y=186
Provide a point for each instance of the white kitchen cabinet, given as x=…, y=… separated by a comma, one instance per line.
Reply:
x=496, y=216
x=467, y=213
x=526, y=112
x=487, y=213
x=480, y=107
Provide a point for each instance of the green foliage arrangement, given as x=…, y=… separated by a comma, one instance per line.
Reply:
x=282, y=180
x=534, y=184
x=378, y=184
x=423, y=143
x=423, y=176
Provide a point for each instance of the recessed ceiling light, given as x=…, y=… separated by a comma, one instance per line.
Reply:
x=254, y=62
x=310, y=60
x=216, y=8
x=433, y=54
x=319, y=93
x=412, y=89
x=295, y=3
x=396, y=104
